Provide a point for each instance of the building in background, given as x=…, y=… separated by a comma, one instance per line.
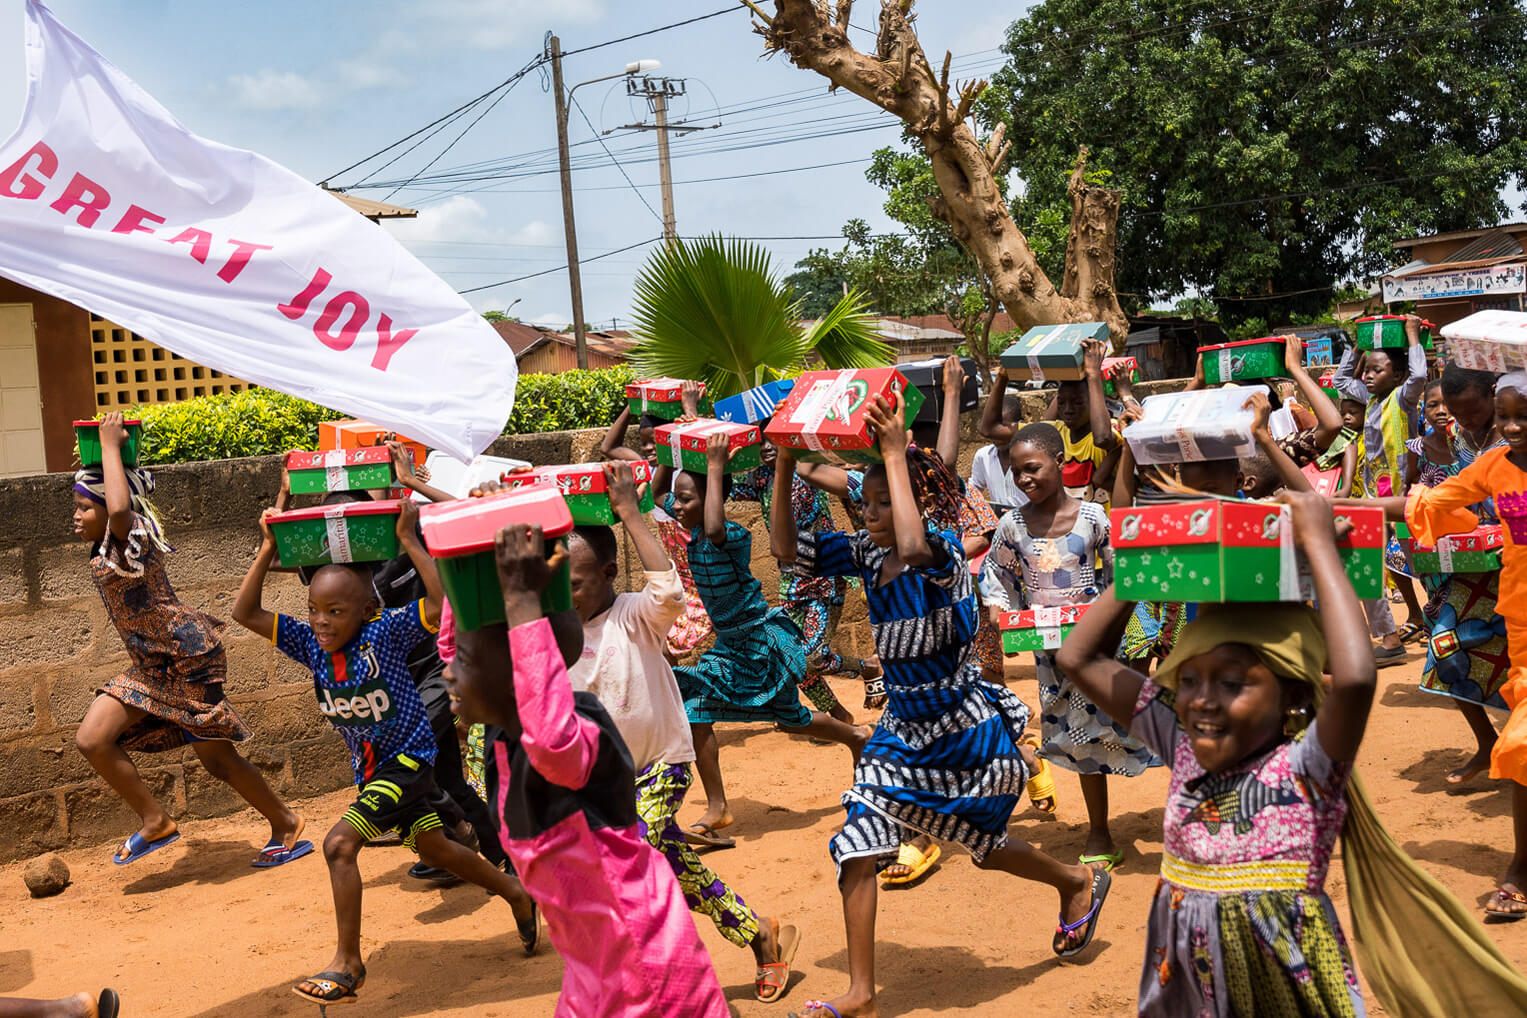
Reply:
x=1452, y=275
x=540, y=351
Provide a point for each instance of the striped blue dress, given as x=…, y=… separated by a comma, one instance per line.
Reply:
x=944, y=758
x=753, y=671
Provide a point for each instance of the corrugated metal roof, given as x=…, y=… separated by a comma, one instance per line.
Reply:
x=1495, y=244
x=374, y=210
x=1461, y=235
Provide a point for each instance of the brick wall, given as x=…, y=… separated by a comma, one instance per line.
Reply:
x=57, y=645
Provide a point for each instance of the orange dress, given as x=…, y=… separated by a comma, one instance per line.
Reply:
x=1437, y=512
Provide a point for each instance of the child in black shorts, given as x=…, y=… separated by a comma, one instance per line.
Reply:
x=358, y=655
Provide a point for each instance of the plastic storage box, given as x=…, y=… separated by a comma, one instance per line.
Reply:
x=1247, y=360
x=87, y=436
x=1387, y=332
x=1184, y=427
x=583, y=486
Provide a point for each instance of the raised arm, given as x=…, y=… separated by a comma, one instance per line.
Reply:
x=620, y=482
x=562, y=745
x=1097, y=407
x=782, y=529
x=1293, y=478
x=403, y=466
x=248, y=605
x=1348, y=469
x=1087, y=658
x=119, y=499
x=992, y=426
x=613, y=445
x=408, y=540
x=717, y=453
x=949, y=424
x=1349, y=654
x=1125, y=480
x=1414, y=385
x=889, y=422
x=1346, y=377
x=1198, y=375
x=824, y=477
x=1327, y=418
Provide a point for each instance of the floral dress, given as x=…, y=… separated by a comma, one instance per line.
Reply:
x=1023, y=571
x=693, y=626
x=178, y=666
x=1240, y=923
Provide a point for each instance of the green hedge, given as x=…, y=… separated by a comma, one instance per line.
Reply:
x=262, y=421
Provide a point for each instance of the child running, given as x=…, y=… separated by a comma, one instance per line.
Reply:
x=172, y=695
x=946, y=758
x=623, y=665
x=563, y=788
x=1261, y=756
x=357, y=653
x=1054, y=552
x=753, y=671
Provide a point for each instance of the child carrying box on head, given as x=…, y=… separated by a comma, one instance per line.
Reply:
x=357, y=655
x=563, y=786
x=623, y=665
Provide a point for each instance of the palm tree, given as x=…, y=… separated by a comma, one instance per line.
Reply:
x=714, y=310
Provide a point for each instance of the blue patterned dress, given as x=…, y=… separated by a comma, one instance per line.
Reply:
x=944, y=758
x=1024, y=571
x=752, y=672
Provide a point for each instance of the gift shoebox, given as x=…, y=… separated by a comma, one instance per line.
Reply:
x=1319, y=352
x=1052, y=351
x=1112, y=366
x=658, y=397
x=1488, y=341
x=1243, y=361
x=928, y=377
x=461, y=535
x=1328, y=385
x=823, y=418
x=1184, y=427
x=1217, y=551
x=312, y=473
x=356, y=434
x=756, y=405
x=1387, y=332
x=1038, y=628
x=350, y=532
x=583, y=486
x=87, y=435
x=1475, y=552
x=682, y=446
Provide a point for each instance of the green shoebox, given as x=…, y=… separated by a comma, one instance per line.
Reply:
x=1114, y=365
x=1219, y=551
x=583, y=488
x=658, y=397
x=317, y=473
x=352, y=532
x=1245, y=361
x=87, y=434
x=1387, y=332
x=1043, y=629
x=1052, y=351
x=460, y=535
x=1478, y=551
x=682, y=446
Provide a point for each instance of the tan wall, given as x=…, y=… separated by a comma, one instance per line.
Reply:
x=57, y=645
x=63, y=367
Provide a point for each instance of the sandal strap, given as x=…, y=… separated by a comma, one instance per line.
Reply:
x=768, y=974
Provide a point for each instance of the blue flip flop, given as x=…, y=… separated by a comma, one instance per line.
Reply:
x=137, y=848
x=277, y=854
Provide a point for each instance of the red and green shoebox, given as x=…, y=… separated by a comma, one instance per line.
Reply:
x=460, y=535
x=1478, y=551
x=351, y=532
x=357, y=434
x=316, y=473
x=1328, y=385
x=1387, y=332
x=823, y=418
x=1218, y=551
x=1038, y=628
x=1244, y=361
x=1113, y=366
x=682, y=446
x=87, y=435
x=1052, y=351
x=658, y=397
x=583, y=486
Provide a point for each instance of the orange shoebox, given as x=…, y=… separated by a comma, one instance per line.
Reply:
x=356, y=434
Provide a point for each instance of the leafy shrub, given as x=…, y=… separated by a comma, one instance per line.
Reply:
x=567, y=401
x=251, y=423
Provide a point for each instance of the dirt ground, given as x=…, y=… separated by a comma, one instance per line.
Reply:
x=193, y=932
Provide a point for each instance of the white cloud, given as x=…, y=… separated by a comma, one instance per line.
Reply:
x=268, y=89
x=553, y=320
x=361, y=74
x=537, y=234
x=454, y=220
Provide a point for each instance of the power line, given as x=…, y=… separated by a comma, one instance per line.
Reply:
x=654, y=31
x=694, y=180
x=561, y=268
x=622, y=169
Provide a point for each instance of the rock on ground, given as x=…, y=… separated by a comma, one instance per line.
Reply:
x=46, y=875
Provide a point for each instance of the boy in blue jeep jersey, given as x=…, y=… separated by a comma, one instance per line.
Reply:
x=358, y=656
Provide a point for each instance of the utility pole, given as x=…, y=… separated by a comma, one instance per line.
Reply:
x=657, y=92
x=574, y=278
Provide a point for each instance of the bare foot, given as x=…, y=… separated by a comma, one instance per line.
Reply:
x=1508, y=904
x=841, y=713
x=149, y=833
x=766, y=944
x=1099, y=843
x=289, y=831
x=716, y=820
x=1077, y=904
x=81, y=1005
x=850, y=1005
x=1476, y=765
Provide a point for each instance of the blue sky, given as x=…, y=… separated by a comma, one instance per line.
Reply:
x=319, y=86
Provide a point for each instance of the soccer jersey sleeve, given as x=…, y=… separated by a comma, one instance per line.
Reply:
x=405, y=626
x=294, y=638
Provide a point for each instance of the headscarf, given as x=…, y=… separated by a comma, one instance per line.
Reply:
x=1515, y=380
x=1423, y=952
x=91, y=483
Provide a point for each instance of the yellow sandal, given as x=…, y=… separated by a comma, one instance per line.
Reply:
x=1041, y=786
x=916, y=860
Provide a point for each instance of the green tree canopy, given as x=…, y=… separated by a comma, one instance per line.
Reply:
x=1270, y=149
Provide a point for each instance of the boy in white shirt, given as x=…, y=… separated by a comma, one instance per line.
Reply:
x=623, y=664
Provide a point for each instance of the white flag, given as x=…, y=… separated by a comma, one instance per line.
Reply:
x=231, y=260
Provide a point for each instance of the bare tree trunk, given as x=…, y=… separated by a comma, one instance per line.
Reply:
x=813, y=34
